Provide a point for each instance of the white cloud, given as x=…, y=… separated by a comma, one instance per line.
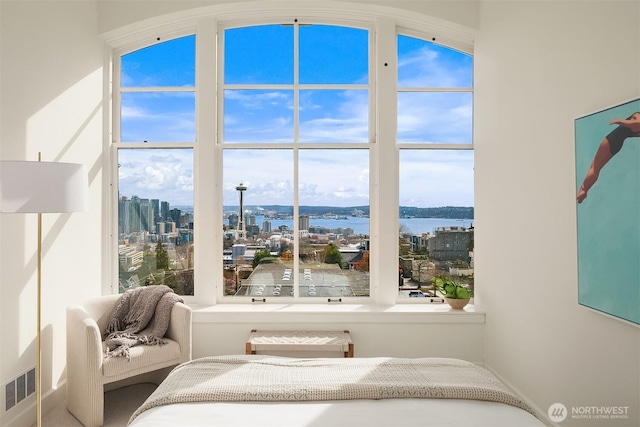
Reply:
x=259, y=99
x=158, y=117
x=165, y=174
x=433, y=65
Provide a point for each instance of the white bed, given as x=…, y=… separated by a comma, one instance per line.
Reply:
x=232, y=391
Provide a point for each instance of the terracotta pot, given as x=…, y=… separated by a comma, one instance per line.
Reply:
x=458, y=304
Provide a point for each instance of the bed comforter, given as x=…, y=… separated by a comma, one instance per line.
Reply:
x=268, y=379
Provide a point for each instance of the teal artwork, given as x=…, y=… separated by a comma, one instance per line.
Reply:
x=608, y=210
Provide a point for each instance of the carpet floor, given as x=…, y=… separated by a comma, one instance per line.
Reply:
x=119, y=405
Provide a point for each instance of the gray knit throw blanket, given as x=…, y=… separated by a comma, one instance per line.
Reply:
x=141, y=316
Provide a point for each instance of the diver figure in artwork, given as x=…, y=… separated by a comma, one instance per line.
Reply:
x=609, y=147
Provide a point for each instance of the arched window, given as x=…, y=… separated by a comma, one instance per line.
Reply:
x=262, y=159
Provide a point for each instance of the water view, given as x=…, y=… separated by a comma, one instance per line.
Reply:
x=360, y=225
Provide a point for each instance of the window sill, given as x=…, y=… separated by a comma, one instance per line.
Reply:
x=338, y=313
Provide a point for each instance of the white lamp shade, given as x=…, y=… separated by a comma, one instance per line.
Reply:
x=43, y=187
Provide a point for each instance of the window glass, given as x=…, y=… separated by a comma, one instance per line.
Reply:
x=425, y=64
x=258, y=116
x=258, y=237
x=436, y=218
x=295, y=196
x=435, y=109
x=294, y=235
x=435, y=117
x=155, y=218
x=333, y=55
x=158, y=117
x=259, y=55
x=334, y=116
x=436, y=178
x=168, y=63
x=334, y=223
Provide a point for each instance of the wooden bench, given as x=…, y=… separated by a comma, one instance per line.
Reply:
x=307, y=341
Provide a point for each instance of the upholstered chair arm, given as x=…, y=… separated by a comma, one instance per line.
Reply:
x=180, y=329
x=84, y=365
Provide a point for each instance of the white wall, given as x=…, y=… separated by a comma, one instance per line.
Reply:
x=540, y=65
x=373, y=335
x=116, y=14
x=51, y=101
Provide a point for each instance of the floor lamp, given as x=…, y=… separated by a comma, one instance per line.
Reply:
x=42, y=187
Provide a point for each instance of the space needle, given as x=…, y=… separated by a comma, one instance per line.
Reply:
x=241, y=232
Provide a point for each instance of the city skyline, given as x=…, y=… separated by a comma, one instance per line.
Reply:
x=250, y=207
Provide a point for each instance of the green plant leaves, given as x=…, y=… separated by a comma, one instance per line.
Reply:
x=449, y=288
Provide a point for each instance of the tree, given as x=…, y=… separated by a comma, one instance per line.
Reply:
x=363, y=264
x=162, y=257
x=262, y=253
x=170, y=280
x=147, y=266
x=331, y=255
x=285, y=246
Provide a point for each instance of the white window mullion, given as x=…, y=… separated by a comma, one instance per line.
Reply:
x=111, y=263
x=207, y=194
x=384, y=215
x=296, y=144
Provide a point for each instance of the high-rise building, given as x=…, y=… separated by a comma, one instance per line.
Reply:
x=253, y=230
x=174, y=215
x=233, y=220
x=188, y=218
x=146, y=215
x=134, y=215
x=303, y=222
x=124, y=205
x=155, y=205
x=164, y=210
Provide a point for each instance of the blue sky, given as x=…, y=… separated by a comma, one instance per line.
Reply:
x=329, y=55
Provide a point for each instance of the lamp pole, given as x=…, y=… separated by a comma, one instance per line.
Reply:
x=39, y=322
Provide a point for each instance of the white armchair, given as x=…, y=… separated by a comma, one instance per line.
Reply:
x=89, y=374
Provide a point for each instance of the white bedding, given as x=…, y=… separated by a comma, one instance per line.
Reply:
x=233, y=391
x=352, y=413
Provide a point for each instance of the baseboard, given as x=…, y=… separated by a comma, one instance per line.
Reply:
x=27, y=416
x=540, y=414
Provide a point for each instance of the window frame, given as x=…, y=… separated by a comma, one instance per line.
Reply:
x=295, y=145
x=422, y=146
x=206, y=147
x=115, y=144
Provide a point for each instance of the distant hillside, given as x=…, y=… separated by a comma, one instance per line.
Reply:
x=452, y=212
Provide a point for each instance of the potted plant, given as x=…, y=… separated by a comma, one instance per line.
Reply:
x=454, y=293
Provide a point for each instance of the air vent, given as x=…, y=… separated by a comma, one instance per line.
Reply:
x=18, y=389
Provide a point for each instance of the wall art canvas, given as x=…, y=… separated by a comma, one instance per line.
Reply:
x=608, y=210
